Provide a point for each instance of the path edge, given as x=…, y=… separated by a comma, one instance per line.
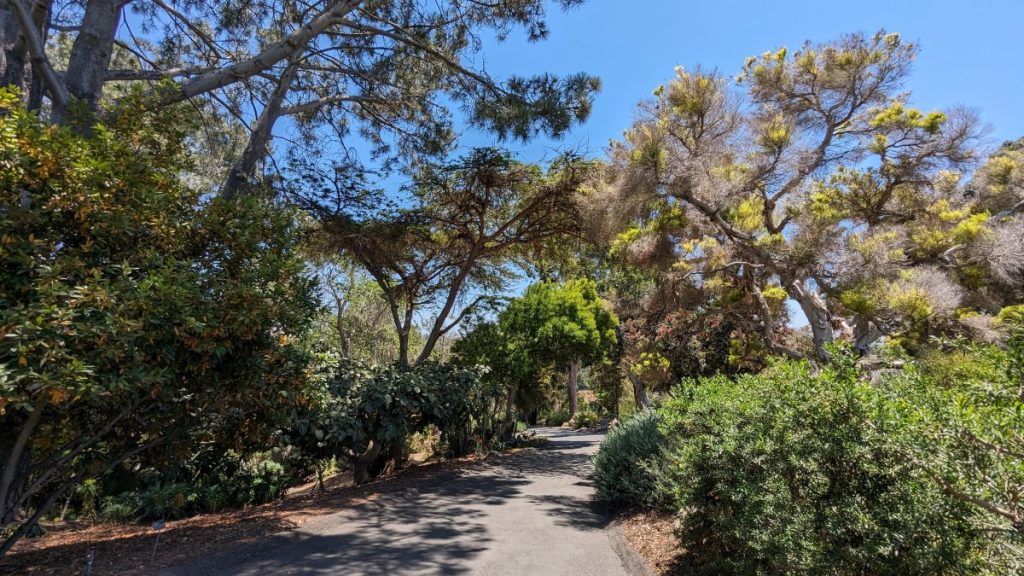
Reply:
x=630, y=558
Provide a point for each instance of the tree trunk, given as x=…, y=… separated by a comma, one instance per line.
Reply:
x=14, y=70
x=90, y=55
x=403, y=347
x=640, y=397
x=573, y=376
x=818, y=317
x=242, y=174
x=15, y=459
x=865, y=333
x=394, y=459
x=15, y=55
x=361, y=464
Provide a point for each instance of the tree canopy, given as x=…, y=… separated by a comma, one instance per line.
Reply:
x=396, y=74
x=469, y=223
x=818, y=183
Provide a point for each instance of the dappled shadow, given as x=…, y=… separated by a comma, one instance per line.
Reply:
x=132, y=551
x=434, y=520
x=567, y=453
x=432, y=529
x=574, y=512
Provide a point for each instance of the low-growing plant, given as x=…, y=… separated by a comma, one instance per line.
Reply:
x=627, y=468
x=584, y=418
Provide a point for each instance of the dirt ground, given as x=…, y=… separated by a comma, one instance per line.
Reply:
x=650, y=534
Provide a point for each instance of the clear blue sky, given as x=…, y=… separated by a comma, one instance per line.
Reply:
x=972, y=53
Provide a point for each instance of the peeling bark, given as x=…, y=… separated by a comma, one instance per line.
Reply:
x=640, y=397
x=818, y=317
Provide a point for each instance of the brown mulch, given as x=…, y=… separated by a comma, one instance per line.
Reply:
x=128, y=548
x=650, y=534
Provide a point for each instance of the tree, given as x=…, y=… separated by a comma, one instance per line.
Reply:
x=562, y=324
x=390, y=72
x=355, y=322
x=821, y=185
x=511, y=368
x=137, y=320
x=469, y=222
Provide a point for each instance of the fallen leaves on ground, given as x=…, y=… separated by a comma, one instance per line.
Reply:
x=650, y=534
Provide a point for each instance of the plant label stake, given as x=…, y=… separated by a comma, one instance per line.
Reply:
x=157, y=526
x=88, y=561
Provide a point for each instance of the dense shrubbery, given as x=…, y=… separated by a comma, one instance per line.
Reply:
x=139, y=320
x=799, y=471
x=225, y=480
x=627, y=469
x=778, y=473
x=365, y=414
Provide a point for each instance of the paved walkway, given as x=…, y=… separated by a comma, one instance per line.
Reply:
x=524, y=514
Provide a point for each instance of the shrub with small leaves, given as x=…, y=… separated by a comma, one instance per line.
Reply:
x=781, y=473
x=628, y=465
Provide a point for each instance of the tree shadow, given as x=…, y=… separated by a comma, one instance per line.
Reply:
x=429, y=521
x=435, y=529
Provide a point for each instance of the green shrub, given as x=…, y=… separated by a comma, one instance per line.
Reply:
x=121, y=508
x=584, y=418
x=959, y=417
x=627, y=467
x=260, y=481
x=779, y=473
x=555, y=417
x=364, y=413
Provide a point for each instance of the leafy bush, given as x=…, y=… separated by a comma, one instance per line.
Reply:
x=627, y=467
x=364, y=414
x=555, y=417
x=196, y=487
x=585, y=417
x=121, y=508
x=142, y=319
x=779, y=473
x=959, y=418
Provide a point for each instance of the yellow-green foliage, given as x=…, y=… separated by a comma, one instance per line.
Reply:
x=999, y=172
x=876, y=244
x=896, y=116
x=651, y=367
x=1010, y=316
x=824, y=204
x=911, y=302
x=749, y=214
x=971, y=228
x=770, y=241
x=775, y=134
x=930, y=240
x=859, y=300
x=624, y=239
x=692, y=94
x=774, y=292
x=647, y=149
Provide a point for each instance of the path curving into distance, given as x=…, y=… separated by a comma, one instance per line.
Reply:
x=524, y=514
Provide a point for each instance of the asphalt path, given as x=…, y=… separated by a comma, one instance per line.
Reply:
x=524, y=514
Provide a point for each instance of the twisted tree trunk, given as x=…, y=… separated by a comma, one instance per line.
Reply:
x=818, y=317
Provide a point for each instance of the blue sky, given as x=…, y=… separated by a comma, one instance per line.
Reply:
x=971, y=52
